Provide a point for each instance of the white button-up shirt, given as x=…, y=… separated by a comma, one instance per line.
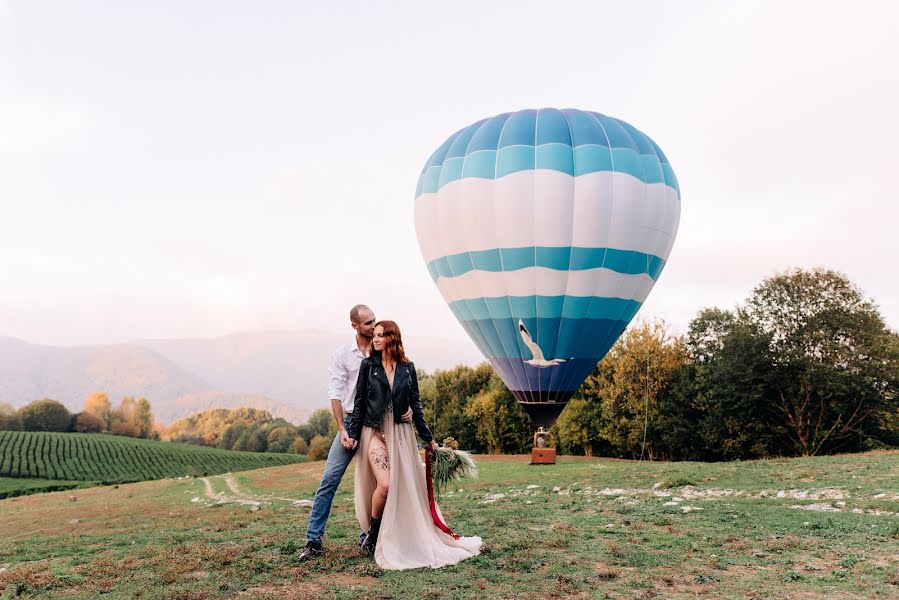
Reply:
x=344, y=371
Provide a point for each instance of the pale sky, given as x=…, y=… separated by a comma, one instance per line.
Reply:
x=193, y=169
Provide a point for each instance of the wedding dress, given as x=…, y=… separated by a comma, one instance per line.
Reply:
x=408, y=537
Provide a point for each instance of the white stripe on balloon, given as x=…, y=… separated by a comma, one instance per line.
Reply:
x=597, y=210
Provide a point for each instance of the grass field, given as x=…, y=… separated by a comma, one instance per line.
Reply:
x=37, y=461
x=592, y=528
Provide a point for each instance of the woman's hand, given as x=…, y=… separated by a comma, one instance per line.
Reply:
x=433, y=445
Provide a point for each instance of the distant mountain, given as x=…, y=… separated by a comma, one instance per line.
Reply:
x=30, y=372
x=285, y=373
x=289, y=367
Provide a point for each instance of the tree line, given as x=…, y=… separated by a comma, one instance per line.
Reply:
x=247, y=429
x=805, y=366
x=255, y=430
x=132, y=417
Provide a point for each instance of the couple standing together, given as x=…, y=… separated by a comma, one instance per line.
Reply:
x=374, y=398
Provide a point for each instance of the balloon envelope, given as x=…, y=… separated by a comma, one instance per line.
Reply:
x=545, y=230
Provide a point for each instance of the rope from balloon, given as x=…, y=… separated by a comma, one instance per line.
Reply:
x=435, y=516
x=645, y=409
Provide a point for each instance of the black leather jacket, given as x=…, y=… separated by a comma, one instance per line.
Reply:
x=373, y=394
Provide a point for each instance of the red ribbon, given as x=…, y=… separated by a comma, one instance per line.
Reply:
x=436, y=518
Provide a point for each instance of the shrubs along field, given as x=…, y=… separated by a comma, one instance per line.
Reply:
x=56, y=458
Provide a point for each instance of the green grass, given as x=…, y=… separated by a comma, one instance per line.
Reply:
x=605, y=532
x=106, y=459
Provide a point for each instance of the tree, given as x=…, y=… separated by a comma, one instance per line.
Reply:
x=577, y=431
x=320, y=421
x=86, y=422
x=445, y=409
x=251, y=440
x=299, y=446
x=306, y=432
x=499, y=422
x=629, y=382
x=835, y=373
x=231, y=435
x=98, y=404
x=731, y=396
x=9, y=418
x=209, y=426
x=144, y=419
x=125, y=419
x=45, y=415
x=318, y=449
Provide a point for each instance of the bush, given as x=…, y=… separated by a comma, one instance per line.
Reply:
x=45, y=415
x=86, y=422
x=126, y=428
x=299, y=446
x=9, y=418
x=318, y=449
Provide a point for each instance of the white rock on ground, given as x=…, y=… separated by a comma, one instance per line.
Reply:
x=492, y=498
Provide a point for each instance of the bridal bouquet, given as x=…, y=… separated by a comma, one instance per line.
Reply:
x=448, y=464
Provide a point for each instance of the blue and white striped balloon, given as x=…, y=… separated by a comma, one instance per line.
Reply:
x=544, y=231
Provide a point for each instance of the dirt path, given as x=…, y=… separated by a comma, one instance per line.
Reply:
x=239, y=496
x=208, y=488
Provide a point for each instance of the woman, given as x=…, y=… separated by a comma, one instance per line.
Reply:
x=391, y=494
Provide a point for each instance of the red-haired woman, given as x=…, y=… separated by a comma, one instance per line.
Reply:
x=390, y=479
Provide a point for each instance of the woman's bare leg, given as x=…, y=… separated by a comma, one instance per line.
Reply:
x=380, y=465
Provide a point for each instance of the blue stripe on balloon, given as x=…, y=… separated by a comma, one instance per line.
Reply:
x=529, y=307
x=652, y=169
x=567, y=376
x=591, y=159
x=481, y=164
x=580, y=160
x=451, y=170
x=627, y=161
x=429, y=181
x=587, y=338
x=564, y=258
x=556, y=157
x=512, y=159
x=670, y=179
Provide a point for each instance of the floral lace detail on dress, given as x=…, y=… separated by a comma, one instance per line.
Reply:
x=388, y=414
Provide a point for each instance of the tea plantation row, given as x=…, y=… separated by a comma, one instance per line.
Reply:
x=115, y=459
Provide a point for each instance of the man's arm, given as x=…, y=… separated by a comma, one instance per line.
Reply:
x=337, y=390
x=337, y=411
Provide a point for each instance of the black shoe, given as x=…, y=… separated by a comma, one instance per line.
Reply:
x=313, y=549
x=371, y=540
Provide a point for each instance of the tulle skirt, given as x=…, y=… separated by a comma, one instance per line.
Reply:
x=408, y=537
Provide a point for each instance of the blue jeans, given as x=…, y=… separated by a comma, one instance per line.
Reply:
x=338, y=460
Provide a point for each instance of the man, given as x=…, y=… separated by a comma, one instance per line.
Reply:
x=344, y=371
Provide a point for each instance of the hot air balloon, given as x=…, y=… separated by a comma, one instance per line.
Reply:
x=545, y=230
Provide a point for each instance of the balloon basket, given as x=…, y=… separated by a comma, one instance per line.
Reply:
x=543, y=456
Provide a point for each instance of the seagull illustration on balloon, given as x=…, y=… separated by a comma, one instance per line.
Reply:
x=538, y=360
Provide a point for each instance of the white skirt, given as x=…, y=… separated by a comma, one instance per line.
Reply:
x=408, y=538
